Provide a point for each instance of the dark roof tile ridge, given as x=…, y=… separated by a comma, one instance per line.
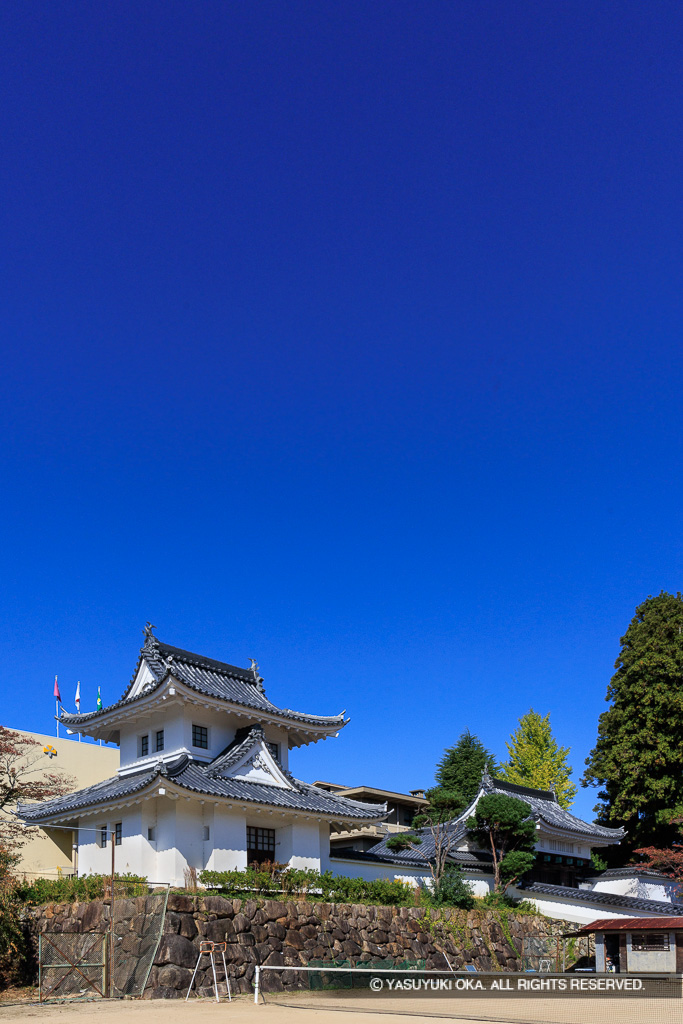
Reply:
x=606, y=898
x=245, y=674
x=515, y=787
x=140, y=779
x=234, y=750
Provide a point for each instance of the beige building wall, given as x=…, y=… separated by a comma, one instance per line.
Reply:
x=50, y=852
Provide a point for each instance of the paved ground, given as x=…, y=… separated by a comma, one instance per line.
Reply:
x=305, y=1008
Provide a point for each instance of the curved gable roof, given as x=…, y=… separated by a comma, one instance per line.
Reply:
x=544, y=807
x=206, y=676
x=205, y=779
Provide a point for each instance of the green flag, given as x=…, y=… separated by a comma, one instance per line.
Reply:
x=99, y=700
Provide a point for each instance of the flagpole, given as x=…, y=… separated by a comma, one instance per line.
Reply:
x=57, y=696
x=78, y=703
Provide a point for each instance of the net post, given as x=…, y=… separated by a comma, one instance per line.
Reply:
x=257, y=976
x=110, y=988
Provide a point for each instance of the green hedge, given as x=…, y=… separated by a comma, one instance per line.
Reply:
x=326, y=887
x=71, y=890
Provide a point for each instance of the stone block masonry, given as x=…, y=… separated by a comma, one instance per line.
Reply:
x=295, y=933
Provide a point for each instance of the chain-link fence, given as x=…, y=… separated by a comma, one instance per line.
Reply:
x=541, y=953
x=72, y=966
x=137, y=923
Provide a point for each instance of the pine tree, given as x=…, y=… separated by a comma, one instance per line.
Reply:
x=638, y=757
x=537, y=761
x=503, y=826
x=462, y=766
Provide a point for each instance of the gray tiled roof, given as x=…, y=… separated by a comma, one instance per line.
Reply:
x=426, y=849
x=602, y=899
x=544, y=806
x=198, y=778
x=212, y=678
x=381, y=854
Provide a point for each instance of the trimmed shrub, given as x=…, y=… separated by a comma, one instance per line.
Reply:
x=311, y=884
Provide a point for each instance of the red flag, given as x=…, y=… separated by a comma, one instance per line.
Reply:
x=57, y=694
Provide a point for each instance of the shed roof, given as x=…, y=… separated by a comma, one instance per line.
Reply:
x=634, y=924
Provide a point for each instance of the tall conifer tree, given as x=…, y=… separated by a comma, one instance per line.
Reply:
x=537, y=761
x=461, y=767
x=638, y=757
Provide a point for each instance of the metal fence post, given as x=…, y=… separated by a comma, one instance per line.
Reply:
x=110, y=989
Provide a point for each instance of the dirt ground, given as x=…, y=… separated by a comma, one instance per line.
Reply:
x=314, y=1008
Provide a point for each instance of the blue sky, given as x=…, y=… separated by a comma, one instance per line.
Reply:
x=346, y=337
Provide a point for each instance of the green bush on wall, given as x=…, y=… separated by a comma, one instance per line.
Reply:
x=70, y=890
x=307, y=882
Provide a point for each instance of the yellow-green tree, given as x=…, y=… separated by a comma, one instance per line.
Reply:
x=536, y=760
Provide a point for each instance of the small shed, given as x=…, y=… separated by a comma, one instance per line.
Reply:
x=637, y=944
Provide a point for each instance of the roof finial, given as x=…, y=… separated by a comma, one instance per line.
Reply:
x=257, y=678
x=151, y=643
x=485, y=777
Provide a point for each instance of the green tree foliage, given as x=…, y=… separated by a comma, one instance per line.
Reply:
x=435, y=821
x=536, y=760
x=451, y=891
x=638, y=758
x=502, y=824
x=462, y=766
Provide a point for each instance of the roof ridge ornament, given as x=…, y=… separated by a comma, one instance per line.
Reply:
x=258, y=680
x=486, y=779
x=151, y=644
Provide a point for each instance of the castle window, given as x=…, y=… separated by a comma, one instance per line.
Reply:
x=260, y=844
x=200, y=736
x=103, y=835
x=274, y=748
x=118, y=833
x=144, y=746
x=160, y=739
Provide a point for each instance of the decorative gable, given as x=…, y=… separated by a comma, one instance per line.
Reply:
x=143, y=679
x=249, y=760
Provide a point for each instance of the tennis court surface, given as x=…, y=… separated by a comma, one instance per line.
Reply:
x=353, y=1008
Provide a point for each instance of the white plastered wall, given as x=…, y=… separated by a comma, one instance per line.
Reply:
x=298, y=844
x=371, y=872
x=583, y=913
x=228, y=840
x=131, y=855
x=634, y=885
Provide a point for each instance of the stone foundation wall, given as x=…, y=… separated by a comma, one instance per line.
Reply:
x=292, y=934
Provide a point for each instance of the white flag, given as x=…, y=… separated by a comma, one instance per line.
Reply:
x=78, y=696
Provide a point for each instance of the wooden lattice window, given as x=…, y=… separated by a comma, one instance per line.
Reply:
x=260, y=844
x=200, y=736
